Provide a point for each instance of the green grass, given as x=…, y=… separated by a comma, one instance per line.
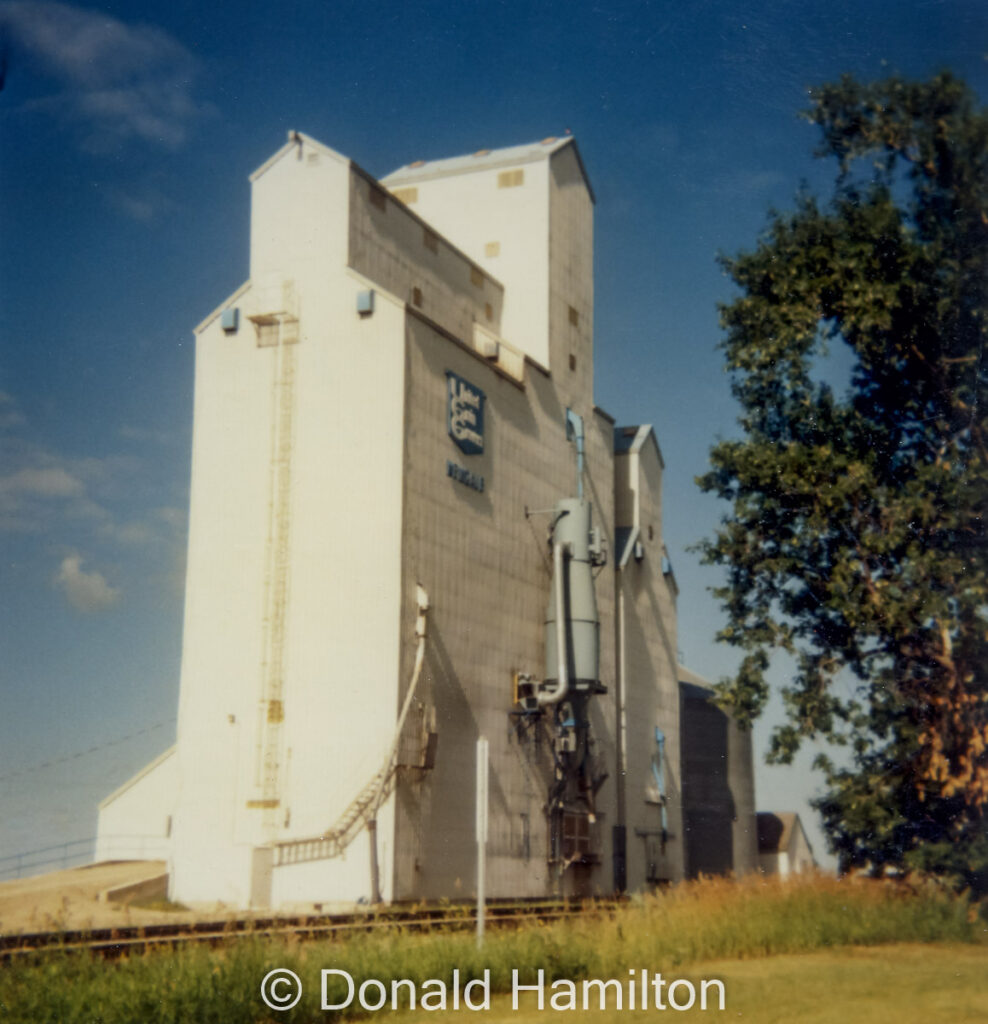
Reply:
x=689, y=924
x=160, y=904
x=907, y=984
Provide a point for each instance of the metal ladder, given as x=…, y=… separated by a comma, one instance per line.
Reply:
x=276, y=584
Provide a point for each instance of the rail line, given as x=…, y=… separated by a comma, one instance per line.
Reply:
x=115, y=942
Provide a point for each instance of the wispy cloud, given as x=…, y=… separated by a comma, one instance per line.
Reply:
x=142, y=206
x=85, y=500
x=86, y=591
x=133, y=433
x=41, y=488
x=49, y=482
x=10, y=414
x=157, y=526
x=115, y=80
x=66, y=517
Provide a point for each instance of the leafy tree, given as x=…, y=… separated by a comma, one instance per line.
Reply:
x=856, y=539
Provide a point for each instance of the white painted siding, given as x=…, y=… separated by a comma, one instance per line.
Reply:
x=135, y=821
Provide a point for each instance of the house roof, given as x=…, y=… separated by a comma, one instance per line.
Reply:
x=485, y=159
x=632, y=439
x=692, y=679
x=775, y=831
x=134, y=779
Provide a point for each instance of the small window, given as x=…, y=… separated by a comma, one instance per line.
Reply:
x=572, y=361
x=574, y=317
x=476, y=277
x=406, y=195
x=377, y=196
x=430, y=240
x=492, y=249
x=417, y=296
x=651, y=532
x=511, y=179
x=488, y=311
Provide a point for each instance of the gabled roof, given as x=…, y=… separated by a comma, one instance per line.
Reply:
x=485, y=159
x=632, y=439
x=692, y=679
x=134, y=779
x=297, y=141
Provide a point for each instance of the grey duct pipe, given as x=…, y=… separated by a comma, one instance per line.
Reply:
x=574, y=432
x=562, y=684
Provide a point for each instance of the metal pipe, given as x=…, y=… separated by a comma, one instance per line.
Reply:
x=562, y=683
x=420, y=632
x=422, y=599
x=574, y=432
x=622, y=702
x=374, y=870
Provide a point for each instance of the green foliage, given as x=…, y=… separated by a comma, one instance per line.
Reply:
x=856, y=538
x=691, y=923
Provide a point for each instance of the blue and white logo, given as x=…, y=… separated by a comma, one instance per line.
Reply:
x=465, y=414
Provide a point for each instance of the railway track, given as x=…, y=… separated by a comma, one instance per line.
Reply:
x=115, y=942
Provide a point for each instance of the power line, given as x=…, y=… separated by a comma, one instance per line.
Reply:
x=85, y=753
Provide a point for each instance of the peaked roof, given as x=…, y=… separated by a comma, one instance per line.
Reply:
x=485, y=159
x=692, y=679
x=297, y=141
x=632, y=439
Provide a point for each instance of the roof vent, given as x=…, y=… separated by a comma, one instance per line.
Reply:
x=482, y=152
x=549, y=140
x=417, y=163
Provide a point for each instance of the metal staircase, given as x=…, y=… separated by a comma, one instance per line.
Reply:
x=362, y=810
x=347, y=827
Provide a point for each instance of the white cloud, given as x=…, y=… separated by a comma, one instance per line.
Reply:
x=121, y=509
x=118, y=81
x=29, y=495
x=87, y=592
x=45, y=486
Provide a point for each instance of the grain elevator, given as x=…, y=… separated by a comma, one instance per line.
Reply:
x=410, y=527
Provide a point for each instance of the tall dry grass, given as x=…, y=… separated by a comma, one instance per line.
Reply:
x=689, y=923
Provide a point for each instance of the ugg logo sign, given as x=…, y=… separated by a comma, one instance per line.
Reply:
x=465, y=414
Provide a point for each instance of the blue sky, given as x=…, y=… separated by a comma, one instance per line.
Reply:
x=127, y=132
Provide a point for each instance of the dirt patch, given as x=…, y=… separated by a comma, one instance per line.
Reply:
x=69, y=900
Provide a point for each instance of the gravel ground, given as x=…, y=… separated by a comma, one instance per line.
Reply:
x=70, y=899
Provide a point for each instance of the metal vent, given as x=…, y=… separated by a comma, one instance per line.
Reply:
x=511, y=179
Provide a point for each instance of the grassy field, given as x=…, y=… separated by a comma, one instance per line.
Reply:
x=905, y=984
x=713, y=928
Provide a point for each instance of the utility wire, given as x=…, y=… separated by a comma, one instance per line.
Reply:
x=85, y=753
